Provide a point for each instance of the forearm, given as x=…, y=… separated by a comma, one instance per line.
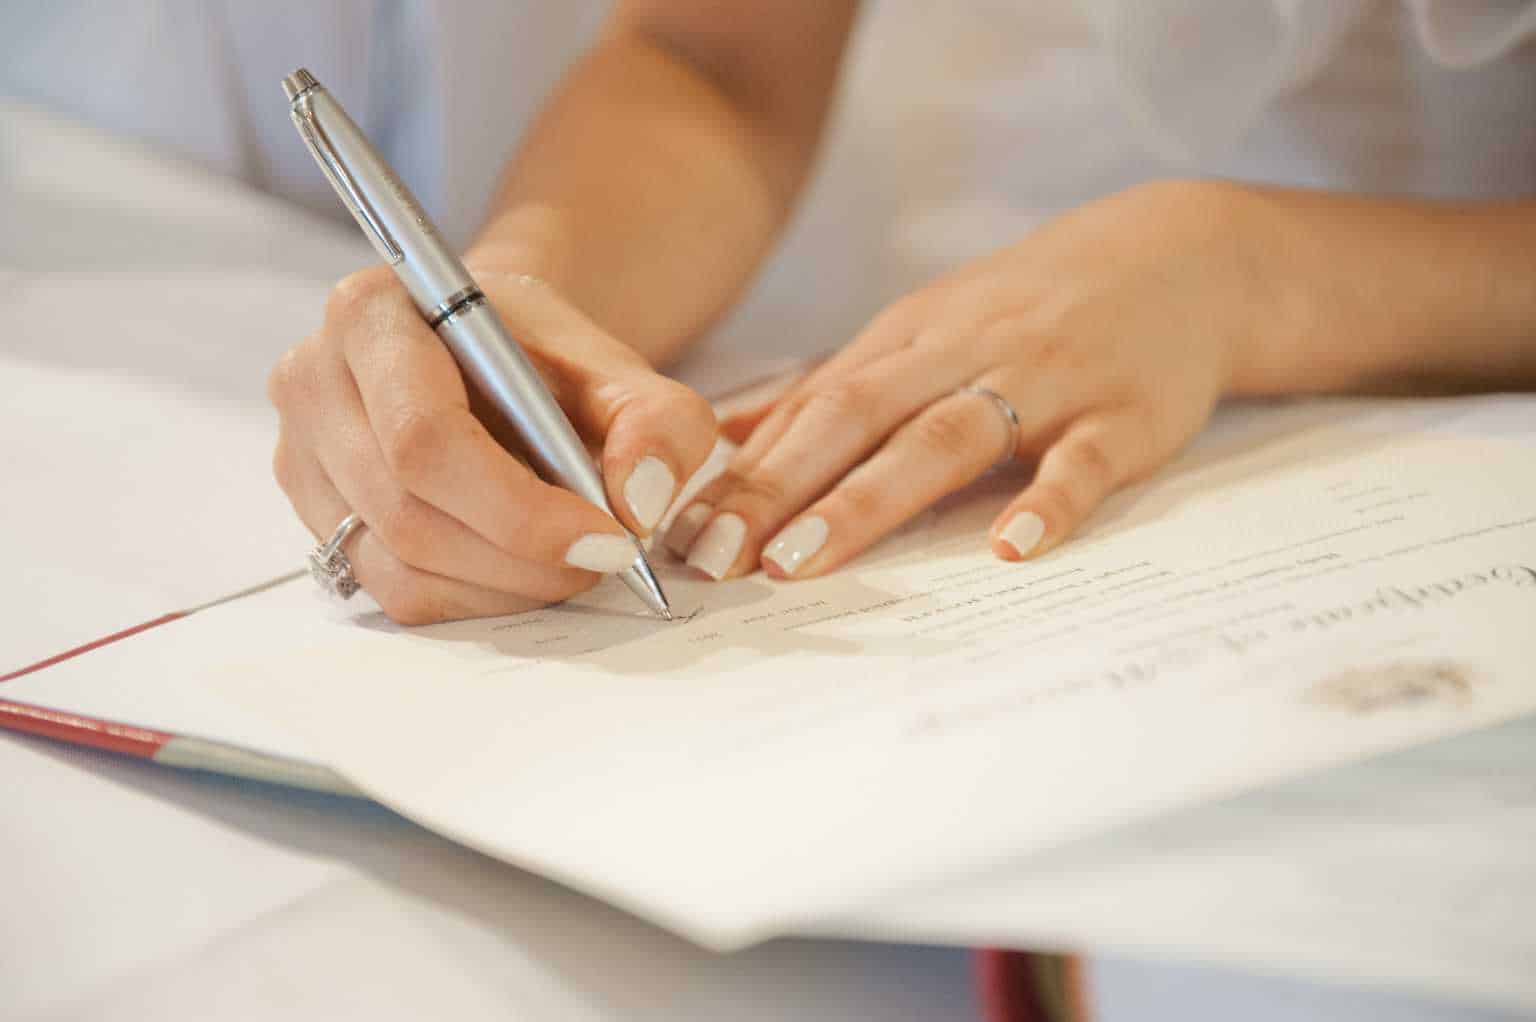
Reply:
x=1390, y=295
x=649, y=190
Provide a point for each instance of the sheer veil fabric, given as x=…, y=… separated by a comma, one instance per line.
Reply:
x=959, y=126
x=1250, y=52
x=997, y=114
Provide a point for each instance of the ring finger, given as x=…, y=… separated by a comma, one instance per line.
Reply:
x=421, y=535
x=947, y=446
x=408, y=595
x=829, y=431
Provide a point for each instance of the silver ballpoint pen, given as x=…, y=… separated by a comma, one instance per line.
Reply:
x=452, y=304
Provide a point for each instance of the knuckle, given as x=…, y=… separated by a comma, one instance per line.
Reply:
x=758, y=490
x=1053, y=349
x=405, y=527
x=519, y=532
x=1091, y=460
x=284, y=469
x=842, y=405
x=793, y=403
x=406, y=597
x=522, y=532
x=414, y=445
x=676, y=407
x=356, y=291
x=286, y=378
x=1001, y=331
x=843, y=401
x=408, y=605
x=692, y=408
x=903, y=314
x=1054, y=502
x=949, y=430
x=862, y=502
x=1143, y=432
x=1045, y=338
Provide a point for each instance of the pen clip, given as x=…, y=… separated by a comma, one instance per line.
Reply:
x=341, y=179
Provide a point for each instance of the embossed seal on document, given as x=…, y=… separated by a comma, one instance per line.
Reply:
x=1394, y=685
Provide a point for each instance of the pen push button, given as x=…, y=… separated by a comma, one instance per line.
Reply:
x=305, y=92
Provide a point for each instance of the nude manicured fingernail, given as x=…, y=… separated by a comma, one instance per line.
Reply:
x=686, y=526
x=1024, y=532
x=797, y=544
x=716, y=549
x=649, y=490
x=599, y=552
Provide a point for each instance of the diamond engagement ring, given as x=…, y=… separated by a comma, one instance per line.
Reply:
x=329, y=566
x=1010, y=418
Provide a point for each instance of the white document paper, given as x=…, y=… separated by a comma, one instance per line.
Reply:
x=1282, y=601
x=796, y=751
x=143, y=302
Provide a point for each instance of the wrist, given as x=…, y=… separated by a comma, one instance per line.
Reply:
x=533, y=240
x=1294, y=338
x=526, y=240
x=1366, y=294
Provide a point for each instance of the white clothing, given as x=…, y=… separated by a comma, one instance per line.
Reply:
x=1023, y=105
x=443, y=89
x=1008, y=114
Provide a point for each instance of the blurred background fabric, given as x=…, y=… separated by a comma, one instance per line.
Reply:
x=960, y=125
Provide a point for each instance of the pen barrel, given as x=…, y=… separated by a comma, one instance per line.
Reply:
x=441, y=288
x=500, y=370
x=391, y=218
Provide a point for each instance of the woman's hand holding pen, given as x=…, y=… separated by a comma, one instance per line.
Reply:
x=376, y=419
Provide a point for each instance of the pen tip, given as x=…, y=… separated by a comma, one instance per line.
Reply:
x=642, y=582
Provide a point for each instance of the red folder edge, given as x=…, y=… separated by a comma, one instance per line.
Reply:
x=163, y=747
x=71, y=727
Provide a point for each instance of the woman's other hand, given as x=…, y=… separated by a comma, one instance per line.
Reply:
x=1112, y=331
x=376, y=419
